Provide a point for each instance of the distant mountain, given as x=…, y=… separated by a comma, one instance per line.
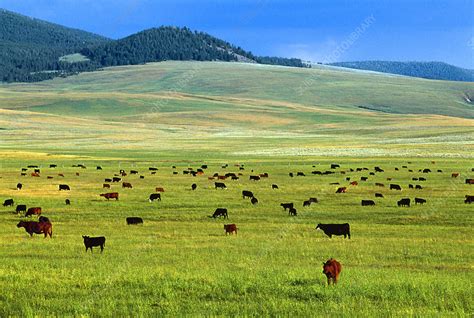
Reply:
x=429, y=70
x=30, y=48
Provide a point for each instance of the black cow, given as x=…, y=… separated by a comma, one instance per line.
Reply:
x=154, y=196
x=68, y=202
x=363, y=178
x=156, y=169
x=306, y=203
x=107, y=180
x=99, y=168
x=19, y=186
x=395, y=187
x=134, y=220
x=335, y=165
x=422, y=179
x=247, y=194
x=220, y=212
x=133, y=172
x=378, y=169
x=404, y=202
x=64, y=187
x=254, y=178
x=290, y=174
x=367, y=202
x=90, y=242
x=300, y=174
x=313, y=200
x=254, y=200
x=53, y=166
x=426, y=170
x=286, y=206
x=193, y=186
x=8, y=202
x=335, y=229
x=274, y=186
x=116, y=179
x=410, y=186
x=419, y=187
x=469, y=199
x=219, y=185
x=379, y=195
x=292, y=212
x=20, y=208
x=420, y=201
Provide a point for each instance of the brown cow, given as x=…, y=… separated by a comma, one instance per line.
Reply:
x=33, y=211
x=111, y=195
x=105, y=185
x=332, y=269
x=37, y=227
x=454, y=174
x=230, y=228
x=127, y=185
x=35, y=174
x=354, y=183
x=159, y=189
x=341, y=190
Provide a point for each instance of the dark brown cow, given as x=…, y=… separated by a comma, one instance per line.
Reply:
x=469, y=181
x=332, y=269
x=341, y=190
x=254, y=178
x=33, y=211
x=455, y=175
x=64, y=187
x=367, y=202
x=379, y=184
x=354, y=183
x=420, y=201
x=127, y=185
x=32, y=227
x=35, y=174
x=395, y=187
x=159, y=189
x=230, y=228
x=469, y=199
x=106, y=186
x=110, y=195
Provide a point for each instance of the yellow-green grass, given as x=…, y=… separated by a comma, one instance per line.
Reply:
x=399, y=261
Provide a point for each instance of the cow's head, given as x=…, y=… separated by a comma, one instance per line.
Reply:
x=85, y=237
x=318, y=226
x=20, y=224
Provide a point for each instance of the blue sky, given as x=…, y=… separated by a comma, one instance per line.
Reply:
x=312, y=30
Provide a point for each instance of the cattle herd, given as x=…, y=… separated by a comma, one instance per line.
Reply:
x=331, y=268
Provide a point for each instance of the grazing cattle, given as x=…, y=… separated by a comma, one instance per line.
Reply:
x=110, y=195
x=8, y=202
x=335, y=165
x=292, y=212
x=127, y=185
x=379, y=195
x=254, y=200
x=410, y=186
x=372, y=174
x=396, y=169
x=64, y=187
x=159, y=189
x=49, y=177
x=439, y=170
x=419, y=187
x=316, y=172
x=389, y=179
x=404, y=202
x=421, y=179
x=90, y=242
x=175, y=172
x=154, y=197
x=335, y=229
x=32, y=227
x=220, y=212
x=35, y=174
x=334, y=183
x=230, y=229
x=363, y=178
x=37, y=171
x=219, y=185
x=156, y=169
x=142, y=177
x=254, y=178
x=455, y=175
x=313, y=200
x=378, y=169
x=20, y=208
x=106, y=186
x=426, y=170
x=193, y=186
x=469, y=199
x=367, y=202
x=395, y=187
x=116, y=179
x=44, y=219
x=354, y=183
x=99, y=168
x=247, y=194
x=300, y=174
x=33, y=211
x=341, y=190
x=32, y=166
x=420, y=201
x=68, y=202
x=23, y=174
x=290, y=174
x=380, y=184
x=306, y=203
x=23, y=169
x=332, y=269
x=77, y=174
x=19, y=186
x=133, y=172
x=286, y=206
x=53, y=166
x=235, y=178
x=348, y=178
x=107, y=180
x=134, y=220
x=263, y=175
x=469, y=181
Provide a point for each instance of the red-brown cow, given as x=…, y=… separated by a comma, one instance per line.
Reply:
x=341, y=190
x=33, y=211
x=159, y=189
x=332, y=269
x=111, y=195
x=37, y=227
x=230, y=228
x=354, y=183
x=454, y=174
x=127, y=185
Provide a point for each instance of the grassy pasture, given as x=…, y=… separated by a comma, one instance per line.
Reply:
x=402, y=261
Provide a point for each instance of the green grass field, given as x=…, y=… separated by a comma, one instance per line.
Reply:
x=415, y=261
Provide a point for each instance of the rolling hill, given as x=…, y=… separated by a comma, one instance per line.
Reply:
x=429, y=70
